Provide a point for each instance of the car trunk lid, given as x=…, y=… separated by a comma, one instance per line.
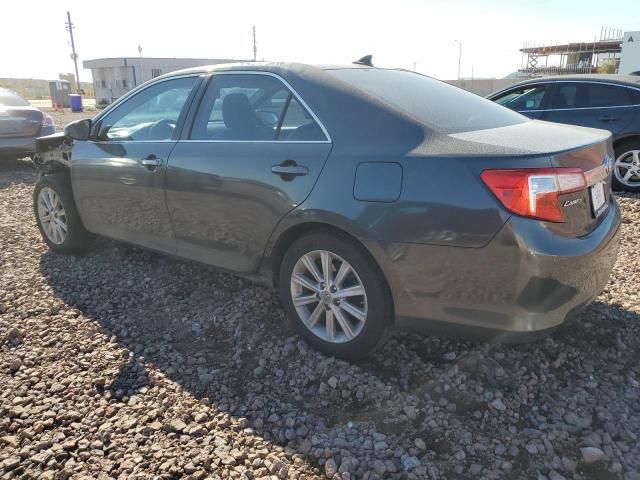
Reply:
x=565, y=146
x=19, y=122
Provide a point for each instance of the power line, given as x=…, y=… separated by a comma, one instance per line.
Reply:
x=255, y=47
x=74, y=55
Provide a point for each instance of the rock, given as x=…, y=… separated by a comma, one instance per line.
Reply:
x=592, y=454
x=379, y=467
x=14, y=365
x=11, y=463
x=333, y=382
x=498, y=405
x=175, y=425
x=420, y=445
x=330, y=468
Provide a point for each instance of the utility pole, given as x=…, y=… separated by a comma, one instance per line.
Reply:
x=255, y=47
x=74, y=55
x=459, y=55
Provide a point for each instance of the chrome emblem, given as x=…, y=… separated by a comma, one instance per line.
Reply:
x=606, y=163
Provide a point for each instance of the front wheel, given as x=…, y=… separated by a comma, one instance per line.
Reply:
x=335, y=296
x=626, y=169
x=57, y=216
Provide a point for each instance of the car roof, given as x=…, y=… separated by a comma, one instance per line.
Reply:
x=269, y=67
x=630, y=80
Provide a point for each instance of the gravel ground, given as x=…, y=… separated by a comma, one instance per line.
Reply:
x=127, y=364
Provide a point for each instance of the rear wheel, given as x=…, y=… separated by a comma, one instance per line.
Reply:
x=335, y=296
x=57, y=216
x=626, y=168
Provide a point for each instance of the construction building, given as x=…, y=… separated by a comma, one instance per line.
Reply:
x=615, y=52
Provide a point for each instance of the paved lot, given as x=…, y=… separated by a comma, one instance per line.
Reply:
x=126, y=364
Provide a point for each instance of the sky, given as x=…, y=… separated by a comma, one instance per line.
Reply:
x=399, y=33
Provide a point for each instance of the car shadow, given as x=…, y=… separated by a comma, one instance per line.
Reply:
x=225, y=341
x=14, y=171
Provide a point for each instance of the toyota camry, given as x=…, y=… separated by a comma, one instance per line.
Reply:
x=372, y=198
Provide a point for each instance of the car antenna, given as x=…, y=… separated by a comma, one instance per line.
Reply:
x=366, y=60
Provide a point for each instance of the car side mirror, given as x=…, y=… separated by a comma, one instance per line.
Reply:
x=78, y=130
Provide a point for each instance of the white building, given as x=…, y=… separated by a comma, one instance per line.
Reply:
x=113, y=77
x=630, y=53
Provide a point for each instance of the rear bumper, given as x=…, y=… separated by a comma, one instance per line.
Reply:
x=526, y=281
x=24, y=145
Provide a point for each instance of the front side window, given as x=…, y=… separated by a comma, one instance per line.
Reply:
x=151, y=114
x=523, y=99
x=252, y=108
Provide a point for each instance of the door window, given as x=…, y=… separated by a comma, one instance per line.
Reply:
x=523, y=99
x=252, y=108
x=589, y=95
x=151, y=114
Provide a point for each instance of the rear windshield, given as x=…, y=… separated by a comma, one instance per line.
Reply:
x=438, y=105
x=9, y=100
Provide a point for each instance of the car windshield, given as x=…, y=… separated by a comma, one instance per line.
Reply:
x=438, y=105
x=9, y=99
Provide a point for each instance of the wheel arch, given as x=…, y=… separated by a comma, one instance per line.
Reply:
x=628, y=138
x=275, y=254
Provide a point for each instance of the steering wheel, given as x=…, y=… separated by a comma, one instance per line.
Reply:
x=162, y=129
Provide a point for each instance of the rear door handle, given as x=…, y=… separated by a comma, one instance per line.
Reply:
x=607, y=118
x=289, y=168
x=151, y=162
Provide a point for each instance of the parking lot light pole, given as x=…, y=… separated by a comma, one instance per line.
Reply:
x=459, y=55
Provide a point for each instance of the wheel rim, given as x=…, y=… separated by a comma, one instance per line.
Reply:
x=627, y=168
x=329, y=296
x=52, y=216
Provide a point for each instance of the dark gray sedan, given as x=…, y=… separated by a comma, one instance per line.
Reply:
x=20, y=125
x=372, y=198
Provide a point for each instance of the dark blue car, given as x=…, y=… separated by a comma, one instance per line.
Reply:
x=611, y=102
x=20, y=124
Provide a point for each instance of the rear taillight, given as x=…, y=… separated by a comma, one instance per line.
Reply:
x=47, y=120
x=533, y=192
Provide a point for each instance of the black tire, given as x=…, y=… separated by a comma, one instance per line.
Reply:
x=379, y=320
x=77, y=239
x=620, y=150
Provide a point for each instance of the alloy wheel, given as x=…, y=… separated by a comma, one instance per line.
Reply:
x=329, y=296
x=52, y=216
x=627, y=168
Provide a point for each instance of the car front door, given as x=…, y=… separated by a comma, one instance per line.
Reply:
x=118, y=175
x=591, y=104
x=529, y=99
x=253, y=153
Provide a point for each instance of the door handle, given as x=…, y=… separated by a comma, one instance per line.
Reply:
x=607, y=118
x=151, y=162
x=289, y=169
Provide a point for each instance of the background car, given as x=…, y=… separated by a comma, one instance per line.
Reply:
x=20, y=125
x=372, y=198
x=611, y=102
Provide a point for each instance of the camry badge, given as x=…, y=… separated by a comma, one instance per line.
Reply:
x=606, y=162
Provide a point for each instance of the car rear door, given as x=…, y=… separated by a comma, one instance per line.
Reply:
x=252, y=155
x=591, y=104
x=118, y=176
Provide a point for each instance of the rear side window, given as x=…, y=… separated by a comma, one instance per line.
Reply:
x=590, y=95
x=437, y=105
x=252, y=107
x=635, y=96
x=9, y=100
x=523, y=99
